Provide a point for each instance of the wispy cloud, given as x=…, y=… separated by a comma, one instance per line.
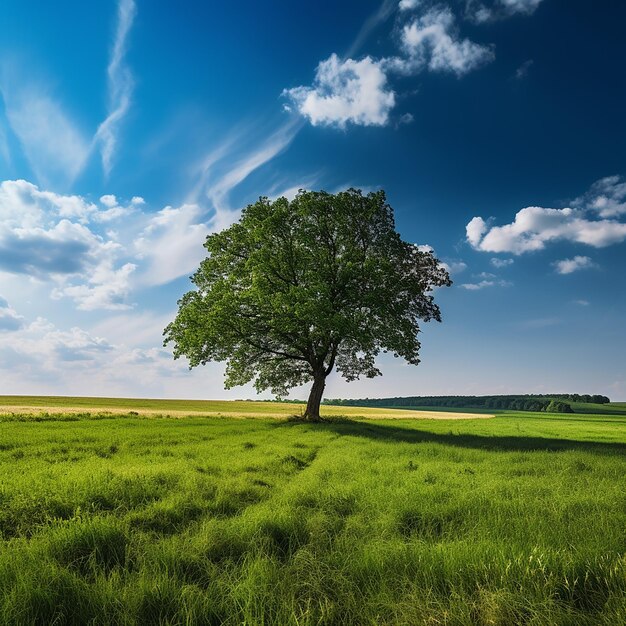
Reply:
x=4, y=144
x=481, y=12
x=606, y=196
x=522, y=71
x=484, y=284
x=229, y=164
x=120, y=85
x=54, y=146
x=384, y=11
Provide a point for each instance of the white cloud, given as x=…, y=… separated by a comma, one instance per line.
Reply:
x=499, y=9
x=9, y=319
x=454, y=267
x=55, y=238
x=120, y=83
x=485, y=283
x=106, y=288
x=171, y=244
x=108, y=200
x=607, y=197
x=582, y=302
x=96, y=255
x=345, y=92
x=475, y=230
x=349, y=91
x=500, y=263
x=40, y=357
x=407, y=5
x=534, y=227
x=53, y=145
x=568, y=266
x=431, y=41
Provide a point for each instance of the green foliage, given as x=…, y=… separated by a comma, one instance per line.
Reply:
x=528, y=402
x=555, y=406
x=514, y=520
x=296, y=288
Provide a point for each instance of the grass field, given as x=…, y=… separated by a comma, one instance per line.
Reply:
x=55, y=405
x=105, y=519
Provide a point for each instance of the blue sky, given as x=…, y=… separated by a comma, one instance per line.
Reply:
x=130, y=130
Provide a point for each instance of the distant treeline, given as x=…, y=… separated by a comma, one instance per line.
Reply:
x=553, y=403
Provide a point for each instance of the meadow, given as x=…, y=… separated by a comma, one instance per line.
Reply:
x=126, y=518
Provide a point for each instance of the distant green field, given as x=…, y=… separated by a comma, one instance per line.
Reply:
x=232, y=408
x=617, y=408
x=127, y=519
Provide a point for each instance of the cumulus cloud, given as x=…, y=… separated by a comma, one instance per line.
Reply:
x=350, y=91
x=345, y=92
x=475, y=230
x=534, y=227
x=431, y=41
x=61, y=239
x=40, y=356
x=106, y=288
x=481, y=12
x=55, y=238
x=568, y=266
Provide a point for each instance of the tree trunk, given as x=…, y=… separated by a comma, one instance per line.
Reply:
x=312, y=412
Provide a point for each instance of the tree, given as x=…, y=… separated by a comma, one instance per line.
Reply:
x=296, y=289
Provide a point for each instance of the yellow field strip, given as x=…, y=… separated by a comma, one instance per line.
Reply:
x=282, y=410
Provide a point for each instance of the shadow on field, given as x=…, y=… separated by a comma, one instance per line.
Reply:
x=385, y=432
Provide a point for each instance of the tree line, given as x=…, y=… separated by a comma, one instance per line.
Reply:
x=552, y=403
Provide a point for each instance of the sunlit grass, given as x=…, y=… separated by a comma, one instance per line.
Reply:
x=55, y=405
x=129, y=520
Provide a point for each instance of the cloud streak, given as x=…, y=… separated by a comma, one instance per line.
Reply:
x=54, y=146
x=120, y=85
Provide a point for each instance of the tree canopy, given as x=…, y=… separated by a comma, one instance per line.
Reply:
x=297, y=288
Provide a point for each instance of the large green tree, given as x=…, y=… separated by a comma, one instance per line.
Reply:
x=295, y=289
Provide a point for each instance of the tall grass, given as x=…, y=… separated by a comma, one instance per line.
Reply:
x=213, y=521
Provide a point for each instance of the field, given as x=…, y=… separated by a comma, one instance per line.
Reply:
x=107, y=407
x=122, y=518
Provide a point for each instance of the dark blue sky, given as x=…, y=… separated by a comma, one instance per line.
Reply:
x=131, y=129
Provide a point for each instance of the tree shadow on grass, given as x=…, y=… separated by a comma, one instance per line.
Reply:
x=497, y=443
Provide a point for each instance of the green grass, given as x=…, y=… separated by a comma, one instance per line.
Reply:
x=613, y=408
x=124, y=520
